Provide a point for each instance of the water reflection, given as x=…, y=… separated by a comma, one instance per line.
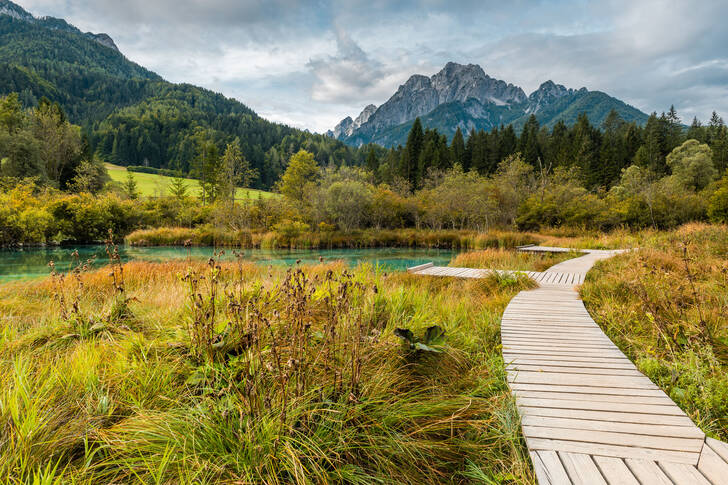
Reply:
x=33, y=262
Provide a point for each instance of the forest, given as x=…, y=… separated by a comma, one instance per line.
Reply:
x=619, y=175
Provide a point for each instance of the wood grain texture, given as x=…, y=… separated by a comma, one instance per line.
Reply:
x=587, y=413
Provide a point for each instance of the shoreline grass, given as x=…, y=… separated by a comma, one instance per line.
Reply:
x=216, y=237
x=499, y=258
x=104, y=395
x=665, y=307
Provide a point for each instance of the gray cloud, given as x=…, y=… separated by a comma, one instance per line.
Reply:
x=310, y=63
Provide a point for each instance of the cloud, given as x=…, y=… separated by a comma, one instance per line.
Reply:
x=347, y=75
x=311, y=63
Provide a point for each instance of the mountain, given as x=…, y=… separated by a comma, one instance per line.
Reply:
x=465, y=97
x=130, y=114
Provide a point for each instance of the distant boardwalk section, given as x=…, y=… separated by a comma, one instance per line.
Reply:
x=588, y=415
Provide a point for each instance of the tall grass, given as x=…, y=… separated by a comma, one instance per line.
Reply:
x=236, y=373
x=210, y=236
x=665, y=306
x=509, y=259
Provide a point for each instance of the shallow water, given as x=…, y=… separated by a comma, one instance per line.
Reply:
x=33, y=262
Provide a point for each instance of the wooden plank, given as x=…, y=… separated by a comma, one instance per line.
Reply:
x=557, y=345
x=614, y=426
x=615, y=471
x=669, y=409
x=582, y=364
x=608, y=416
x=560, y=350
x=626, y=382
x=574, y=370
x=617, y=391
x=581, y=469
x=712, y=466
x=719, y=447
x=552, y=470
x=647, y=472
x=693, y=445
x=542, y=475
x=612, y=450
x=565, y=358
x=683, y=473
x=595, y=397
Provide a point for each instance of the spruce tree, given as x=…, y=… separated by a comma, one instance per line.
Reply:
x=457, y=147
x=412, y=150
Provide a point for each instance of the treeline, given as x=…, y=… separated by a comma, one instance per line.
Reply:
x=133, y=117
x=41, y=144
x=598, y=153
x=175, y=128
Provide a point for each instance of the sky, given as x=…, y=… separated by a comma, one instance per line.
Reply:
x=311, y=63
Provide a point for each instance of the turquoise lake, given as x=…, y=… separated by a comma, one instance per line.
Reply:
x=20, y=264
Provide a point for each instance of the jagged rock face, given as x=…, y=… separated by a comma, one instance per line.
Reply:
x=465, y=97
x=364, y=116
x=343, y=128
x=421, y=94
x=17, y=12
x=546, y=94
x=457, y=82
x=103, y=39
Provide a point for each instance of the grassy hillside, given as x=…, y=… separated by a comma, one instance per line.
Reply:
x=132, y=115
x=153, y=185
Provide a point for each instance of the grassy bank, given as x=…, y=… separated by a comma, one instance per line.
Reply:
x=234, y=373
x=499, y=258
x=155, y=185
x=211, y=236
x=665, y=306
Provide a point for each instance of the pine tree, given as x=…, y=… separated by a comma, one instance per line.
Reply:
x=457, y=147
x=528, y=143
x=674, y=130
x=130, y=186
x=696, y=131
x=411, y=154
x=372, y=163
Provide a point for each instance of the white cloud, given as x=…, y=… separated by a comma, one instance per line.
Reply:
x=310, y=63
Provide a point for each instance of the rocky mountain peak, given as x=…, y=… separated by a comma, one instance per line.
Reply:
x=458, y=82
x=546, y=94
x=343, y=128
x=15, y=11
x=103, y=39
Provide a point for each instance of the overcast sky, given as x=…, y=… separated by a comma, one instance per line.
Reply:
x=310, y=64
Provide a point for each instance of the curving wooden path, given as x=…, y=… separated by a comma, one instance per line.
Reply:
x=588, y=415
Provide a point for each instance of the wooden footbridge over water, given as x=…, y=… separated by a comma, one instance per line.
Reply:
x=588, y=415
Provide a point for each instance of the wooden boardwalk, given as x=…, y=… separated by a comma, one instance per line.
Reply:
x=588, y=415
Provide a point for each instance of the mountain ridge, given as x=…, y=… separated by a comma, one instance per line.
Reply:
x=17, y=12
x=131, y=115
x=465, y=97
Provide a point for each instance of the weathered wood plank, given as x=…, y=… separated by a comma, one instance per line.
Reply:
x=683, y=473
x=615, y=471
x=579, y=396
x=553, y=468
x=614, y=426
x=659, y=419
x=574, y=370
x=712, y=466
x=626, y=382
x=719, y=447
x=692, y=445
x=599, y=449
x=581, y=469
x=647, y=472
x=665, y=409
